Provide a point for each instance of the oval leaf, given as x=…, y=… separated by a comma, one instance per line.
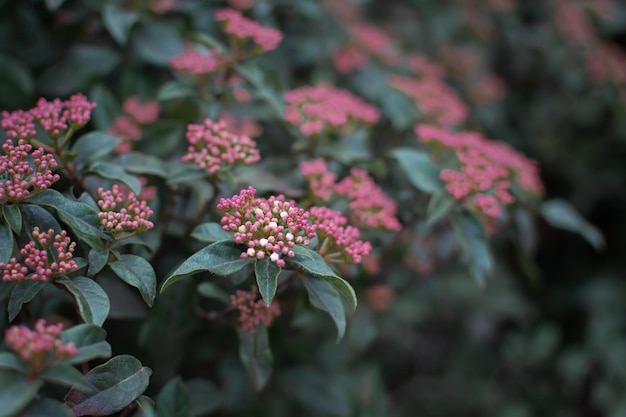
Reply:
x=419, y=169
x=174, y=400
x=210, y=232
x=93, y=302
x=325, y=297
x=90, y=342
x=266, y=273
x=115, y=172
x=23, y=293
x=13, y=216
x=256, y=356
x=64, y=374
x=562, y=215
x=139, y=163
x=6, y=242
x=93, y=146
x=16, y=392
x=136, y=271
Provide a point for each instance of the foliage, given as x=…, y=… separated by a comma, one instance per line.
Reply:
x=293, y=207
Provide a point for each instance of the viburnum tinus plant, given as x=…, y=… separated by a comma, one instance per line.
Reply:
x=252, y=176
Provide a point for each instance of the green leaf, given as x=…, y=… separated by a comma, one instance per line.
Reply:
x=12, y=362
x=439, y=206
x=90, y=342
x=107, y=109
x=146, y=407
x=115, y=172
x=139, y=163
x=16, y=392
x=119, y=21
x=220, y=258
x=303, y=251
x=38, y=216
x=317, y=266
x=210, y=290
x=64, y=374
x=473, y=240
x=562, y=215
x=187, y=174
x=97, y=260
x=52, y=5
x=210, y=232
x=114, y=385
x=13, y=216
x=47, y=407
x=23, y=292
x=177, y=89
x=6, y=242
x=93, y=302
x=420, y=170
x=256, y=356
x=136, y=271
x=157, y=43
x=173, y=400
x=205, y=397
x=266, y=273
x=325, y=297
x=94, y=146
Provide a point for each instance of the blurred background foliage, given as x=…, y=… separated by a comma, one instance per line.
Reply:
x=549, y=77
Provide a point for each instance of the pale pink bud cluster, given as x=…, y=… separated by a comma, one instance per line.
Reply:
x=368, y=202
x=18, y=124
x=268, y=227
x=214, y=147
x=349, y=59
x=487, y=169
x=40, y=347
x=338, y=239
x=199, y=63
x=122, y=211
x=438, y=102
x=325, y=108
x=252, y=309
x=380, y=297
x=241, y=4
x=48, y=256
x=127, y=127
x=56, y=116
x=321, y=180
x=24, y=178
x=241, y=127
x=244, y=29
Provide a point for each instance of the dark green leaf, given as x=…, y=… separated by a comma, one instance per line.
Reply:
x=205, y=397
x=64, y=374
x=173, y=400
x=114, y=385
x=136, y=271
x=440, y=205
x=210, y=232
x=93, y=302
x=6, y=242
x=115, y=172
x=562, y=215
x=146, y=407
x=35, y=216
x=473, y=241
x=90, y=342
x=220, y=258
x=23, y=292
x=420, y=170
x=47, y=407
x=16, y=392
x=256, y=356
x=187, y=174
x=13, y=216
x=325, y=297
x=97, y=261
x=12, y=362
x=176, y=89
x=266, y=273
x=54, y=4
x=107, y=109
x=157, y=43
x=139, y=163
x=119, y=21
x=93, y=146
x=210, y=290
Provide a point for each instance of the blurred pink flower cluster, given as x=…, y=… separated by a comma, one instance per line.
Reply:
x=198, y=63
x=252, y=309
x=338, y=242
x=127, y=127
x=243, y=29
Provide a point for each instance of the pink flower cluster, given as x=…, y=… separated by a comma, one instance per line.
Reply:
x=268, y=227
x=318, y=109
x=423, y=67
x=44, y=264
x=122, y=211
x=40, y=347
x=374, y=42
x=243, y=29
x=22, y=179
x=213, y=147
x=199, y=63
x=487, y=169
x=127, y=127
x=337, y=239
x=321, y=180
x=252, y=309
x=349, y=59
x=55, y=117
x=368, y=202
x=380, y=297
x=241, y=127
x=434, y=98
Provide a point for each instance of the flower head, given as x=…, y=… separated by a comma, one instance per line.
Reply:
x=268, y=227
x=213, y=146
x=40, y=347
x=18, y=124
x=243, y=29
x=349, y=59
x=321, y=180
x=127, y=130
x=199, y=63
x=338, y=239
x=56, y=116
x=252, y=309
x=122, y=211
x=142, y=113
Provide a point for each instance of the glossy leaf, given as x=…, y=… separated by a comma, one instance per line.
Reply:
x=97, y=260
x=136, y=271
x=210, y=232
x=473, y=241
x=12, y=362
x=173, y=400
x=64, y=374
x=24, y=292
x=266, y=273
x=115, y=172
x=113, y=385
x=157, y=43
x=119, y=21
x=93, y=303
x=139, y=163
x=326, y=298
x=210, y=290
x=6, y=242
x=204, y=395
x=256, y=356
x=562, y=215
x=419, y=169
x=13, y=217
x=93, y=146
x=54, y=4
x=176, y=89
x=439, y=206
x=47, y=407
x=16, y=392
x=90, y=340
x=220, y=258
